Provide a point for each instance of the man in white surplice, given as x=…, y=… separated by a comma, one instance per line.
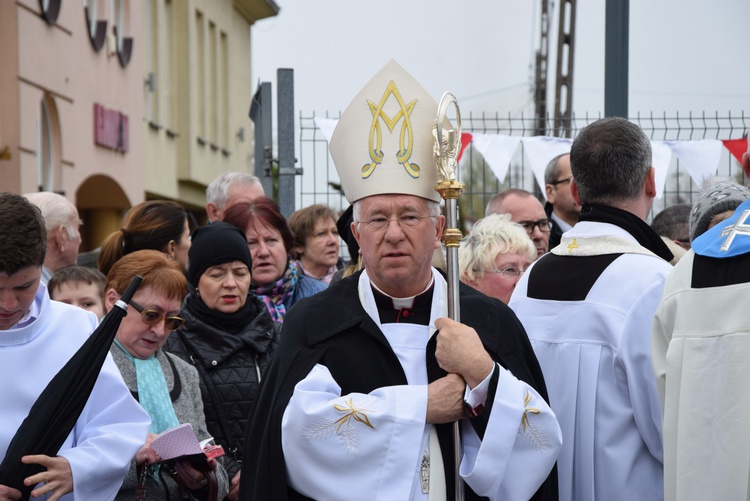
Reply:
x=362, y=390
x=588, y=307
x=701, y=342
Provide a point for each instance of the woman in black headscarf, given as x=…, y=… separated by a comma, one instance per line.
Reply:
x=228, y=335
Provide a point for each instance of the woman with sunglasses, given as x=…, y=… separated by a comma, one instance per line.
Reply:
x=166, y=387
x=228, y=335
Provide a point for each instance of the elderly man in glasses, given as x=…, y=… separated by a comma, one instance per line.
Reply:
x=525, y=210
x=561, y=208
x=588, y=306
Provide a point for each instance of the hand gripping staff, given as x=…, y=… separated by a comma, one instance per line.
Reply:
x=445, y=153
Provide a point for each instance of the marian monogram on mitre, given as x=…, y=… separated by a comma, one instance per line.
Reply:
x=383, y=141
x=391, y=111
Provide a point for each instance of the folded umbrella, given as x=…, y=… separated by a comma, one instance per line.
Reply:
x=55, y=412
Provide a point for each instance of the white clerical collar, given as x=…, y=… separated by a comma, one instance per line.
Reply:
x=400, y=303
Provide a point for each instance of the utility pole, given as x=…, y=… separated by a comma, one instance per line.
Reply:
x=262, y=116
x=564, y=81
x=540, y=74
x=564, y=72
x=285, y=138
x=617, y=27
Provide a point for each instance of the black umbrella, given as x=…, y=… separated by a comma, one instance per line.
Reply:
x=55, y=412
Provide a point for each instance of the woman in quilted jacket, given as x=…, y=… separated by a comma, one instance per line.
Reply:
x=228, y=336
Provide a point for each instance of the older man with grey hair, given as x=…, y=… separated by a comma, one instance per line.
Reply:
x=228, y=189
x=63, y=238
x=587, y=306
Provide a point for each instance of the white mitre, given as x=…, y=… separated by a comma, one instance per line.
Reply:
x=383, y=143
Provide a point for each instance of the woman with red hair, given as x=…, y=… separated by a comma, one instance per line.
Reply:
x=277, y=279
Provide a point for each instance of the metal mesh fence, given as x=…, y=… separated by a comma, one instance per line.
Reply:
x=319, y=182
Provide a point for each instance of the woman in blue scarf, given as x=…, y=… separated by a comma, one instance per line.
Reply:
x=166, y=387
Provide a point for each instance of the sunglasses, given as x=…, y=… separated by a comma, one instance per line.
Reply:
x=153, y=317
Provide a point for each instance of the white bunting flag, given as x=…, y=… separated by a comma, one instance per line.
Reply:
x=326, y=126
x=497, y=150
x=700, y=157
x=661, y=157
x=540, y=150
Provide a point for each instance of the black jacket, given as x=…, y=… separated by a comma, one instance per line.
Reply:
x=556, y=232
x=361, y=360
x=229, y=365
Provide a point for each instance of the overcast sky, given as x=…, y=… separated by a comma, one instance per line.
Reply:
x=685, y=55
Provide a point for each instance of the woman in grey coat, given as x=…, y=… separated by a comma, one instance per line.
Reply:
x=168, y=388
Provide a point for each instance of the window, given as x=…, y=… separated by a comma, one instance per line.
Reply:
x=168, y=73
x=200, y=74
x=45, y=146
x=97, y=28
x=50, y=10
x=224, y=92
x=121, y=12
x=213, y=91
x=151, y=83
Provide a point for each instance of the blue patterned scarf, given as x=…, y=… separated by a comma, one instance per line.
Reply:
x=274, y=294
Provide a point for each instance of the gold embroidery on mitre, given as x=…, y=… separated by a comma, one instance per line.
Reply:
x=536, y=437
x=344, y=425
x=406, y=135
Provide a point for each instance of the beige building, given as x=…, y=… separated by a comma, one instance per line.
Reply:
x=112, y=102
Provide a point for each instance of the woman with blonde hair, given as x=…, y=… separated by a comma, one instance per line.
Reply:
x=157, y=225
x=494, y=255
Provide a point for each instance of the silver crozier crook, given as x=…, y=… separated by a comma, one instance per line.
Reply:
x=447, y=147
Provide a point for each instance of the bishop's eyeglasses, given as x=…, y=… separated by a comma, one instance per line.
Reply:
x=379, y=223
x=153, y=317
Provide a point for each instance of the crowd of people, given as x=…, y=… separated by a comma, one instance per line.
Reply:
x=586, y=363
